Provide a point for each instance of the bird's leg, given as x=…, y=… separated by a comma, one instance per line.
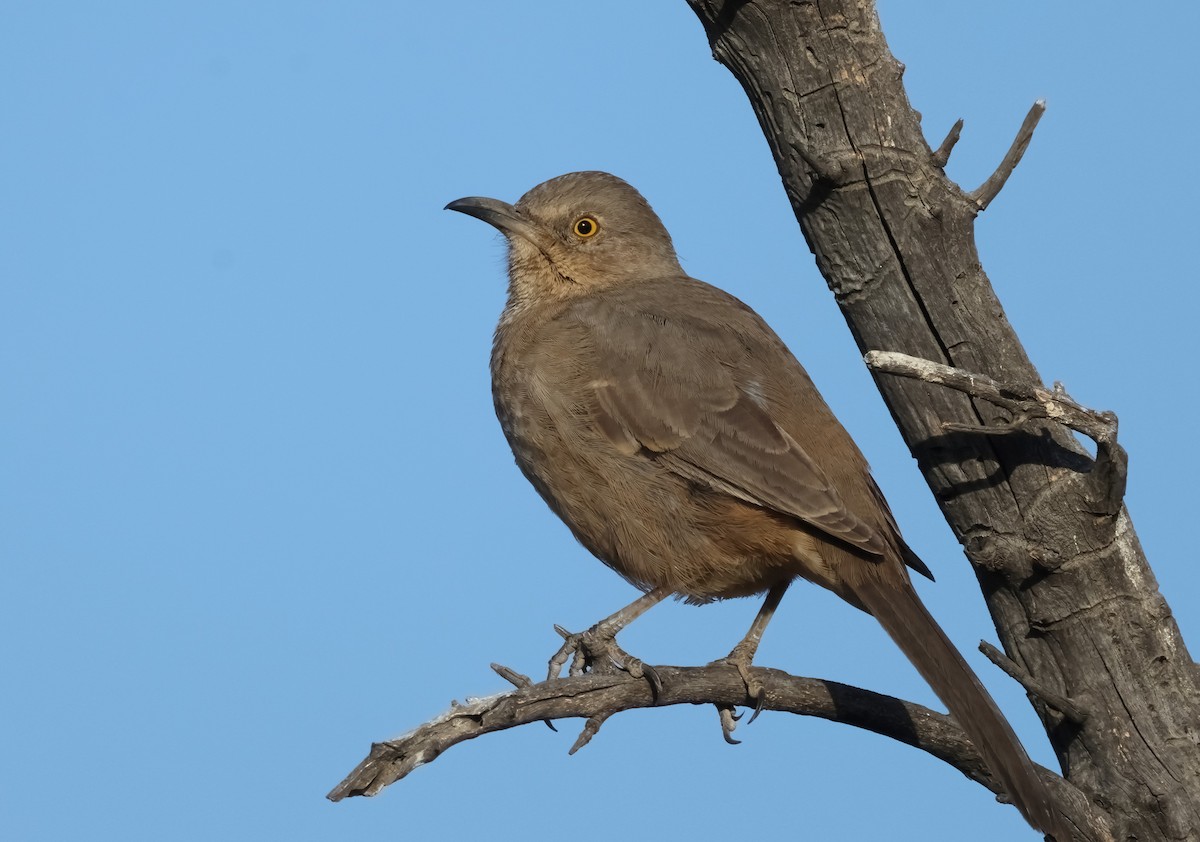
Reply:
x=742, y=655
x=596, y=649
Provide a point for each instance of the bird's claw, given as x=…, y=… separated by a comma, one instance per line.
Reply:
x=596, y=650
x=755, y=691
x=729, y=721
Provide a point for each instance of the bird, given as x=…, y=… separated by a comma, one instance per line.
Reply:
x=684, y=446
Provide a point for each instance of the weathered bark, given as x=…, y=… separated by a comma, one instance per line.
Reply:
x=598, y=696
x=1074, y=601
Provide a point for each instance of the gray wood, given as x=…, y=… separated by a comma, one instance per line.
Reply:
x=1074, y=600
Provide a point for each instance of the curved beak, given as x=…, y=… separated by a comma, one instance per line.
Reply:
x=504, y=217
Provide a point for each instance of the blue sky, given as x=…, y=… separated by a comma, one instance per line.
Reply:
x=257, y=509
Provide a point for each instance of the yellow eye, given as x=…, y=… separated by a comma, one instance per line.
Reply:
x=586, y=226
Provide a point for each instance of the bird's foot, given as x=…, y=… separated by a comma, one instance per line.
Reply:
x=742, y=658
x=596, y=650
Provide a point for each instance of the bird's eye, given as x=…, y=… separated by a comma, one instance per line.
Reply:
x=585, y=227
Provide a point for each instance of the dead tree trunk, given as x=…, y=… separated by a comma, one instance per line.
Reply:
x=1073, y=598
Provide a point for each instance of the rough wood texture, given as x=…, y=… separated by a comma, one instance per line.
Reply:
x=596, y=696
x=1073, y=598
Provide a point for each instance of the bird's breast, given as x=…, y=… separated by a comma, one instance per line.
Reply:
x=642, y=519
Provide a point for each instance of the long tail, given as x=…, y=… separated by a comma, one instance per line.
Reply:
x=898, y=609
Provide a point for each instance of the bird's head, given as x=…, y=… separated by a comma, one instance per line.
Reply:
x=577, y=233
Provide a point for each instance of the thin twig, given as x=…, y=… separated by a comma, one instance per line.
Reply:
x=1107, y=479
x=590, y=729
x=519, y=680
x=510, y=675
x=1060, y=703
x=1026, y=400
x=941, y=157
x=983, y=195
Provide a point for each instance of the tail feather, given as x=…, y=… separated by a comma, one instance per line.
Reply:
x=900, y=612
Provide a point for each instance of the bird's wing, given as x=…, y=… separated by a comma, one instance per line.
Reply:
x=681, y=390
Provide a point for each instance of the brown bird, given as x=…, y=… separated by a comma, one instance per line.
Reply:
x=683, y=444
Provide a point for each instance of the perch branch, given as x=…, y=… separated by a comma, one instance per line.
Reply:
x=597, y=697
x=594, y=696
x=982, y=195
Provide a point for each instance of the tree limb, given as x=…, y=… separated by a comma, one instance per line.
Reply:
x=1027, y=402
x=1030, y=400
x=983, y=195
x=596, y=697
x=941, y=155
x=1067, y=707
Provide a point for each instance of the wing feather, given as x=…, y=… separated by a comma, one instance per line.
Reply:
x=682, y=389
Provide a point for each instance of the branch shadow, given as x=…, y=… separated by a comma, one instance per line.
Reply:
x=1005, y=453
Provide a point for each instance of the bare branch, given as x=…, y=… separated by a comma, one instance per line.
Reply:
x=942, y=156
x=590, y=729
x=1026, y=400
x=597, y=697
x=982, y=195
x=1060, y=703
x=516, y=679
